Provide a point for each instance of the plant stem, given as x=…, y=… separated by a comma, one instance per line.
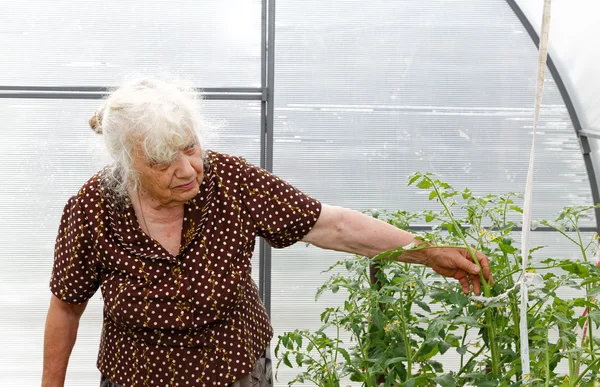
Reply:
x=486, y=287
x=493, y=343
x=589, y=322
x=406, y=338
x=462, y=344
x=578, y=380
x=337, y=341
x=571, y=367
x=464, y=368
x=547, y=362
x=317, y=348
x=516, y=321
x=361, y=347
x=587, y=288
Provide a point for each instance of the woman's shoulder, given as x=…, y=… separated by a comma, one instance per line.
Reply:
x=93, y=184
x=216, y=159
x=87, y=199
x=93, y=191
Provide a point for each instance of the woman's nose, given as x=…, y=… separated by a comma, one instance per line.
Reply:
x=184, y=167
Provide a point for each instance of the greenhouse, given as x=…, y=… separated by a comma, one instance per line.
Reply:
x=421, y=114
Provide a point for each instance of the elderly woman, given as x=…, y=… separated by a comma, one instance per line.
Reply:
x=168, y=230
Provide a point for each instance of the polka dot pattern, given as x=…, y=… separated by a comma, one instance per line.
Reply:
x=194, y=319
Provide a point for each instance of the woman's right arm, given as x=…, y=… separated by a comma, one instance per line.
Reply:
x=59, y=337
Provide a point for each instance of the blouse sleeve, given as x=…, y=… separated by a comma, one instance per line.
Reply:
x=282, y=214
x=75, y=276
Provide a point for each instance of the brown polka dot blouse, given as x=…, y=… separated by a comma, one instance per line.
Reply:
x=190, y=320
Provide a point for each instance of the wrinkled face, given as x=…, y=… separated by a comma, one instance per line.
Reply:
x=173, y=183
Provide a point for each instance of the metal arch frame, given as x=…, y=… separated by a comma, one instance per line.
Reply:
x=582, y=135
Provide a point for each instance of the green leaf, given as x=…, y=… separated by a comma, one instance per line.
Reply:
x=413, y=179
x=423, y=306
x=595, y=316
x=286, y=361
x=536, y=248
x=434, y=328
x=468, y=320
x=285, y=339
x=425, y=184
x=446, y=380
x=437, y=366
x=378, y=319
x=444, y=347
x=309, y=347
x=345, y=355
x=594, y=292
x=428, y=350
x=578, y=269
x=320, y=292
x=299, y=341
x=387, y=299
x=394, y=360
x=299, y=358
x=458, y=299
x=432, y=195
x=516, y=208
x=461, y=350
x=508, y=249
x=357, y=377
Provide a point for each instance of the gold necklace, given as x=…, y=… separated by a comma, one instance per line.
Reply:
x=142, y=213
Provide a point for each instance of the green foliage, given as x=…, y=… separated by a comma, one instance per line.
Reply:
x=402, y=319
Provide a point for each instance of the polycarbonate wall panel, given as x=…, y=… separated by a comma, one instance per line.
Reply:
x=47, y=152
x=75, y=43
x=368, y=92
x=572, y=44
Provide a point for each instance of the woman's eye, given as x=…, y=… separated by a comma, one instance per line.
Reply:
x=191, y=148
x=160, y=166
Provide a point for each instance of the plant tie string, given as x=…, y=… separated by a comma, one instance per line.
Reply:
x=528, y=281
x=523, y=326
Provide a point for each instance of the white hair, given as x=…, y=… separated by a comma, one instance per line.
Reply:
x=157, y=114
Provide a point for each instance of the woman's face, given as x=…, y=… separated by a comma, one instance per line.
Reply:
x=175, y=183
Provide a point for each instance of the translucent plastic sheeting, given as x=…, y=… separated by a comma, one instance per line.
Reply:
x=574, y=49
x=47, y=152
x=89, y=43
x=369, y=92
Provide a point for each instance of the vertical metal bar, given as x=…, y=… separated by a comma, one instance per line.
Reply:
x=269, y=134
x=263, y=143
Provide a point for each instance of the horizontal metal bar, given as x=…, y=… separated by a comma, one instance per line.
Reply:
x=589, y=134
x=237, y=90
x=100, y=95
x=543, y=229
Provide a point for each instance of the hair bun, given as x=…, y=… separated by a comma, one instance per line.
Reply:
x=96, y=121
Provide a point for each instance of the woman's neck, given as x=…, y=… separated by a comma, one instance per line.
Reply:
x=155, y=211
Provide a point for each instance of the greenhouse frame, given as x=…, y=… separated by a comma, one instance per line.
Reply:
x=344, y=99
